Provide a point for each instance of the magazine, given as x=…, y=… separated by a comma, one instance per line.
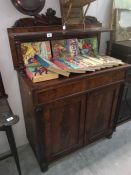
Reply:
x=29, y=50
x=65, y=48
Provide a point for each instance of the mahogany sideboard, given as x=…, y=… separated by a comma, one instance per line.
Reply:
x=66, y=114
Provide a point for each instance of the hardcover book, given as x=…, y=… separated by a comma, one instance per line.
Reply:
x=88, y=46
x=38, y=74
x=29, y=50
x=65, y=48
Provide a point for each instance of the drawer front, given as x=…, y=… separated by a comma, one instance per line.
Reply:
x=81, y=86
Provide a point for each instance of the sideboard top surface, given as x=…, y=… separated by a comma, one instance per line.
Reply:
x=75, y=77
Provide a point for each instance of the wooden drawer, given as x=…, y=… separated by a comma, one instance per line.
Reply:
x=78, y=87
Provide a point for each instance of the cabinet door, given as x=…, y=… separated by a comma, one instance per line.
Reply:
x=64, y=126
x=101, y=107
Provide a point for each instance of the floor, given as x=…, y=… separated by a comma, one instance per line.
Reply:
x=107, y=157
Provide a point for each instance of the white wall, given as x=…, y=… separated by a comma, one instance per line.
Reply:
x=102, y=10
x=8, y=15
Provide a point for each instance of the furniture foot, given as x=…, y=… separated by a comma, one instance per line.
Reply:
x=44, y=167
x=109, y=136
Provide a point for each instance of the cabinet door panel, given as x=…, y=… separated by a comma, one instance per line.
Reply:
x=64, y=126
x=100, y=113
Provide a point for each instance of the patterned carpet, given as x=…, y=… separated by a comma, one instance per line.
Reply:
x=107, y=157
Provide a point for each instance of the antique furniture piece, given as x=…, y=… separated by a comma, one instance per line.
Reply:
x=7, y=120
x=32, y=8
x=122, y=50
x=66, y=114
x=72, y=11
x=74, y=16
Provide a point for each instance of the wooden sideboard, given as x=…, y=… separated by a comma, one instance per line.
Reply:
x=66, y=114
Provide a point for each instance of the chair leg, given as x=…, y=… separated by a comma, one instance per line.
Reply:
x=11, y=140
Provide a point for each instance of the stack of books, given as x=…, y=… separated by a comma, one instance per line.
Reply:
x=47, y=60
x=34, y=70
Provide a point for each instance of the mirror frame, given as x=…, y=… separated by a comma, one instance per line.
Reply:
x=30, y=12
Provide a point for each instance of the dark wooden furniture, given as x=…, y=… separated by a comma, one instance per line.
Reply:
x=66, y=114
x=122, y=50
x=7, y=120
x=32, y=8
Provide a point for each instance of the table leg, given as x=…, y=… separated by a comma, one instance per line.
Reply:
x=13, y=148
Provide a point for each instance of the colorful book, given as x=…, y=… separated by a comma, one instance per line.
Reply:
x=72, y=65
x=100, y=61
x=38, y=74
x=93, y=65
x=65, y=48
x=111, y=61
x=51, y=66
x=84, y=65
x=29, y=50
x=72, y=47
x=63, y=65
x=88, y=46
